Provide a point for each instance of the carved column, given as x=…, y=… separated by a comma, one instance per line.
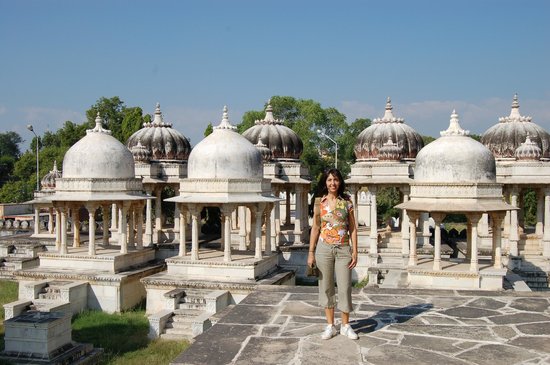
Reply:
x=546, y=228
x=373, y=237
x=413, y=216
x=58, y=229
x=539, y=228
x=50, y=220
x=298, y=213
x=474, y=218
x=277, y=226
x=114, y=215
x=438, y=218
x=131, y=225
x=122, y=236
x=91, y=231
x=63, y=231
x=405, y=238
x=226, y=213
x=158, y=215
x=242, y=228
x=268, y=238
x=353, y=197
x=273, y=225
x=139, y=225
x=195, y=217
x=76, y=225
x=36, y=220
x=176, y=218
x=257, y=212
x=514, y=226
x=183, y=233
x=148, y=239
x=425, y=219
x=105, y=209
x=496, y=220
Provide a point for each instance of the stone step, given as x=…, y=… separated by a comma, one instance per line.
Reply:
x=181, y=332
x=175, y=337
x=187, y=312
x=191, y=306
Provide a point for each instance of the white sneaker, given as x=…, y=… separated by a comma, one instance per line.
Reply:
x=329, y=332
x=347, y=331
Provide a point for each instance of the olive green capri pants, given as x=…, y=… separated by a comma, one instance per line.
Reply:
x=334, y=259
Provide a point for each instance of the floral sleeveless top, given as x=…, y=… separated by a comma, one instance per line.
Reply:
x=334, y=223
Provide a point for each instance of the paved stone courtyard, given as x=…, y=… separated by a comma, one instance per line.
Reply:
x=282, y=325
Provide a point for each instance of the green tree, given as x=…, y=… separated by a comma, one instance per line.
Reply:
x=9, y=153
x=427, y=139
x=209, y=129
x=132, y=121
x=111, y=110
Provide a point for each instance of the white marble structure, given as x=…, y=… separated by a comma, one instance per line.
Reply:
x=456, y=174
x=522, y=152
x=281, y=149
x=160, y=154
x=385, y=153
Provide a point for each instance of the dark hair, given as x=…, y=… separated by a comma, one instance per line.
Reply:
x=323, y=190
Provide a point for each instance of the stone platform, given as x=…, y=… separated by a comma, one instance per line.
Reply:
x=282, y=325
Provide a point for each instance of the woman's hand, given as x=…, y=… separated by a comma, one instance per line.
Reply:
x=353, y=262
x=310, y=259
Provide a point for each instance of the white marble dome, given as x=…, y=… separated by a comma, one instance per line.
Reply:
x=510, y=132
x=48, y=181
x=282, y=141
x=372, y=139
x=225, y=154
x=455, y=157
x=98, y=155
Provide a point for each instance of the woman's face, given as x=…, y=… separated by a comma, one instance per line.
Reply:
x=333, y=183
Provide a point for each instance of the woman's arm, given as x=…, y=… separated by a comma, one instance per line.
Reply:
x=314, y=235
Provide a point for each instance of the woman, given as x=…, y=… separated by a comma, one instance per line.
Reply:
x=329, y=246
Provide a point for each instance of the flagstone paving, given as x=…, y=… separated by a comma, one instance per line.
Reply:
x=282, y=325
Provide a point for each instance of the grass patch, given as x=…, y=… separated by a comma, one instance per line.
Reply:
x=361, y=284
x=123, y=336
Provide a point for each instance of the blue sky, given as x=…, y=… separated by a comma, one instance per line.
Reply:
x=59, y=57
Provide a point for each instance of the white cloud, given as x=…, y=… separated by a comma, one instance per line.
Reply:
x=3, y=109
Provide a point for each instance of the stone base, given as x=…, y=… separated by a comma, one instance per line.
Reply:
x=455, y=276
x=106, y=259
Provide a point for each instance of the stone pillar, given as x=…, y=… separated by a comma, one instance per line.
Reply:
x=353, y=197
x=176, y=220
x=469, y=240
x=539, y=228
x=50, y=220
x=257, y=213
x=234, y=220
x=546, y=228
x=373, y=237
x=148, y=239
x=514, y=225
x=183, y=233
x=438, y=218
x=58, y=229
x=483, y=226
x=122, y=235
x=158, y=215
x=76, y=225
x=226, y=214
x=425, y=240
x=63, y=230
x=114, y=215
x=273, y=224
x=268, y=238
x=277, y=227
x=139, y=226
x=474, y=218
x=195, y=217
x=91, y=231
x=287, y=207
x=298, y=214
x=131, y=226
x=36, y=219
x=105, y=209
x=496, y=220
x=405, y=237
x=506, y=232
x=413, y=216
x=242, y=228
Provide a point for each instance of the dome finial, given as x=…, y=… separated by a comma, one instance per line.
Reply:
x=158, y=120
x=225, y=124
x=98, y=126
x=514, y=113
x=269, y=113
x=55, y=166
x=454, y=127
x=388, y=114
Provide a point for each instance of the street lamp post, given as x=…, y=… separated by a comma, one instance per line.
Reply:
x=30, y=128
x=321, y=133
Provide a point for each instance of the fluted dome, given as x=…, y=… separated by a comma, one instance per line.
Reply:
x=390, y=151
x=225, y=154
x=283, y=142
x=505, y=137
x=265, y=152
x=164, y=142
x=454, y=158
x=371, y=139
x=98, y=155
x=528, y=150
x=48, y=181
